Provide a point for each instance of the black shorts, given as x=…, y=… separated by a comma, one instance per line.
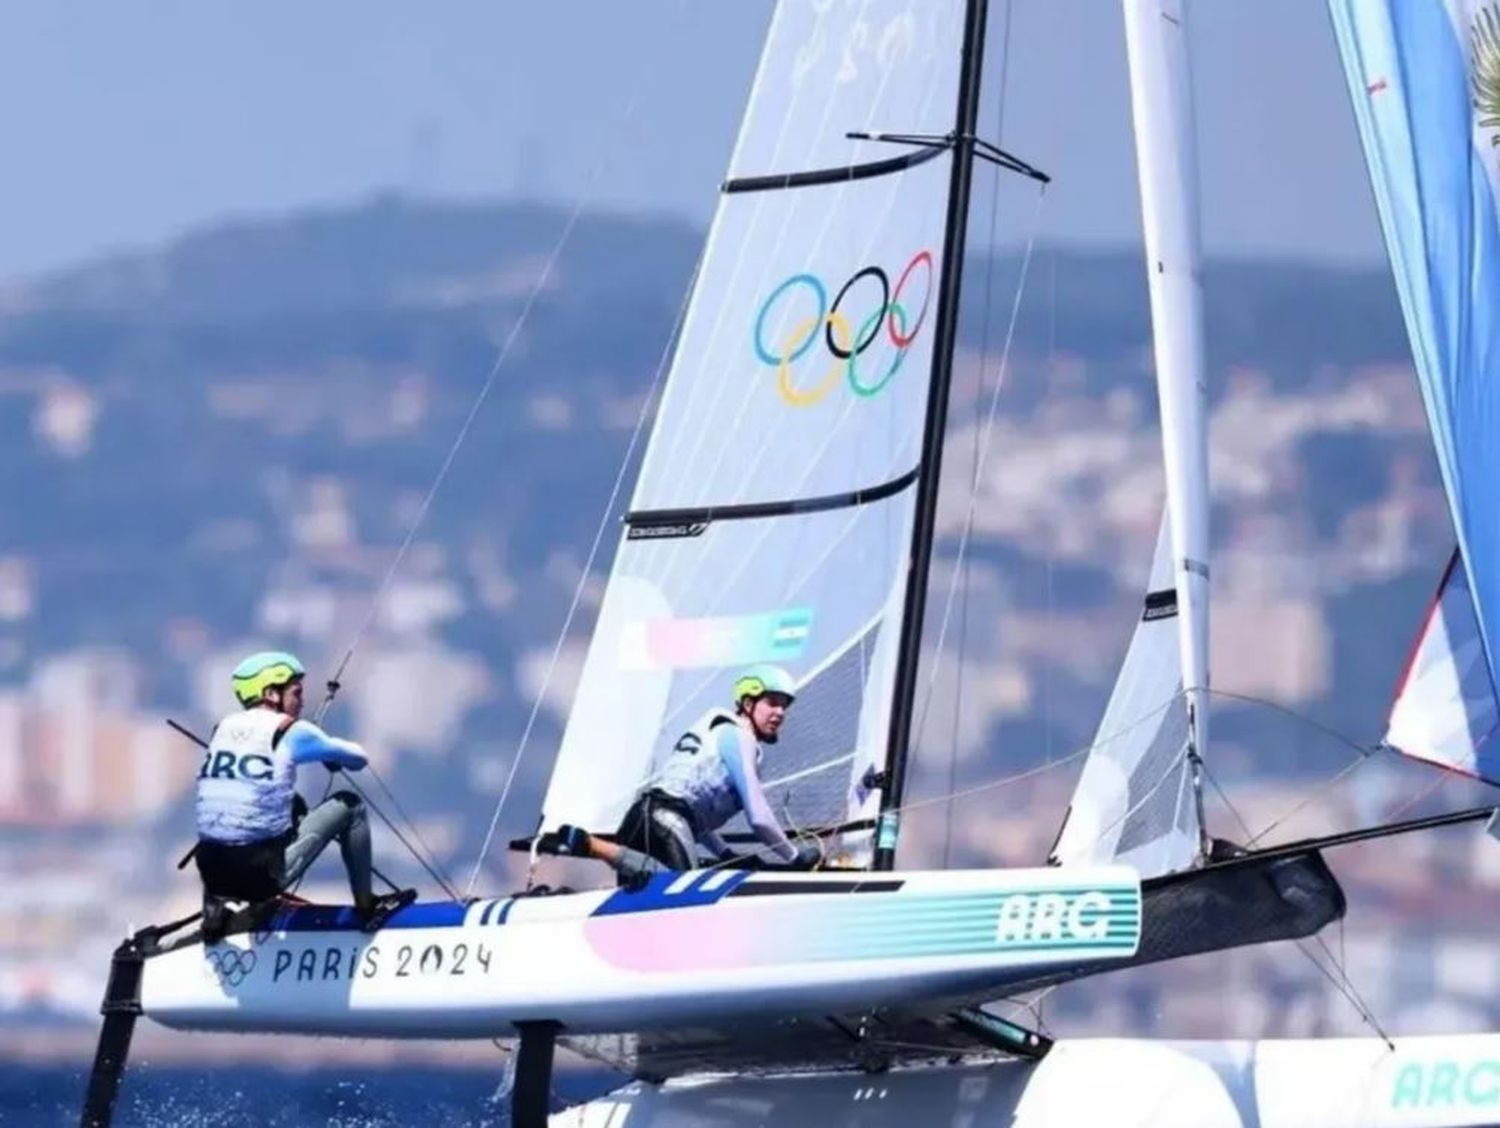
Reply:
x=248, y=871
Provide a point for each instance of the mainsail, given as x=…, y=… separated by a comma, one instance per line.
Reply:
x=1424, y=78
x=773, y=516
x=1137, y=799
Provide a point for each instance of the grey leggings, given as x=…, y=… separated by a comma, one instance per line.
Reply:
x=341, y=816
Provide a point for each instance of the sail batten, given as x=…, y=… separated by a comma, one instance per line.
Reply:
x=652, y=518
x=812, y=177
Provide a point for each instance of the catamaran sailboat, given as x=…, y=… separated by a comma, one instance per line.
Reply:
x=785, y=511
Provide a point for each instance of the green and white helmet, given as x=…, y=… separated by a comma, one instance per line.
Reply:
x=265, y=670
x=763, y=679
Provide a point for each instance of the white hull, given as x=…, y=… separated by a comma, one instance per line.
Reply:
x=693, y=947
x=1293, y=1083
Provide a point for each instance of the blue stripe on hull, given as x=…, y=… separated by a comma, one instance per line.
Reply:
x=656, y=893
x=342, y=918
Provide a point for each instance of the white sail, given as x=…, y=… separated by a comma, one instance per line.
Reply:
x=1134, y=802
x=1445, y=710
x=1161, y=109
x=772, y=520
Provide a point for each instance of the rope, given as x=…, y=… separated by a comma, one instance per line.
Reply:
x=1365, y=755
x=964, y=565
x=583, y=578
x=986, y=435
x=1311, y=722
x=1342, y=983
x=335, y=682
x=437, y=877
x=440, y=875
x=458, y=440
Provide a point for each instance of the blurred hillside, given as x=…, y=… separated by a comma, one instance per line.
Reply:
x=220, y=443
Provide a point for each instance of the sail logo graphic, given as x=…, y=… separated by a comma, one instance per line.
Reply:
x=834, y=325
x=1484, y=69
x=675, y=644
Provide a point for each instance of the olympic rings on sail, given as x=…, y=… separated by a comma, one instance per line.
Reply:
x=845, y=347
x=806, y=397
x=861, y=340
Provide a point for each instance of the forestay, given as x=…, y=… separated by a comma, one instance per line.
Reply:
x=772, y=519
x=1135, y=801
x=1424, y=77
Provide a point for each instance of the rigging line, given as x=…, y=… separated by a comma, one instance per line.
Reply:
x=794, y=777
x=588, y=564
x=1365, y=755
x=1413, y=800
x=446, y=465
x=987, y=434
x=1326, y=786
x=1345, y=987
x=411, y=823
x=396, y=830
x=1033, y=1007
x=1351, y=995
x=1311, y=722
x=584, y=198
x=965, y=562
x=463, y=433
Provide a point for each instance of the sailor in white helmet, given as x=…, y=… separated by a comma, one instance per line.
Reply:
x=250, y=846
x=713, y=774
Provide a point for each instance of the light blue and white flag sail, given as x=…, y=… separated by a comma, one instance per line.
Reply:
x=1424, y=77
x=1445, y=710
x=772, y=520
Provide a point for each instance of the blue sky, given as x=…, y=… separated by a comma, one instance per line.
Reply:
x=123, y=124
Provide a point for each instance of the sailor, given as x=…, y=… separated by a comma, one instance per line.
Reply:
x=713, y=774
x=250, y=846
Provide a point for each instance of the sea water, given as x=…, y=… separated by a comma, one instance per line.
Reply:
x=231, y=1096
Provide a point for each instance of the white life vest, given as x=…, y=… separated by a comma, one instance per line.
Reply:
x=247, y=779
x=694, y=772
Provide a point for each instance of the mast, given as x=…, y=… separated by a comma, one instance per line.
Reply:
x=1161, y=109
x=904, y=696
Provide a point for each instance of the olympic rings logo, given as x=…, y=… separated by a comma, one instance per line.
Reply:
x=845, y=344
x=232, y=965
